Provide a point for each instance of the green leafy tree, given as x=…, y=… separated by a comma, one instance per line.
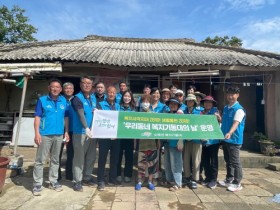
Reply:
x=224, y=41
x=14, y=27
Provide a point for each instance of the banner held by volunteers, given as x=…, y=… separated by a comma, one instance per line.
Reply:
x=143, y=125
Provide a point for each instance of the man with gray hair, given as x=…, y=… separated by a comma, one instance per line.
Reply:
x=68, y=91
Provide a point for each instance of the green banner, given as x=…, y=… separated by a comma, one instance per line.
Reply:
x=141, y=125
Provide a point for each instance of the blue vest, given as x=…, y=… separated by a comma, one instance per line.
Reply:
x=199, y=108
x=161, y=108
x=183, y=107
x=172, y=142
x=88, y=105
x=228, y=116
x=104, y=105
x=118, y=97
x=127, y=109
x=194, y=111
x=211, y=141
x=52, y=120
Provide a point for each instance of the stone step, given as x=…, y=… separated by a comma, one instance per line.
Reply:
x=248, y=159
x=251, y=159
x=274, y=166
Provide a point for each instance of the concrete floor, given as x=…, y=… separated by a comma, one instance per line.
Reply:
x=259, y=187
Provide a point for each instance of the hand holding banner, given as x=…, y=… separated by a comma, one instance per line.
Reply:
x=142, y=125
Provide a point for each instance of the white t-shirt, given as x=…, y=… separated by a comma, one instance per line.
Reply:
x=239, y=114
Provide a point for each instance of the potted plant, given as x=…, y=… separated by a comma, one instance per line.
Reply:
x=267, y=147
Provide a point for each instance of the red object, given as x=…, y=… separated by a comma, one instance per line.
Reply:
x=4, y=161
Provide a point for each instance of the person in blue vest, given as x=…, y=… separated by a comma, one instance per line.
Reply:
x=83, y=105
x=210, y=147
x=157, y=107
x=100, y=92
x=123, y=87
x=199, y=96
x=126, y=145
x=180, y=95
x=173, y=88
x=173, y=161
x=50, y=124
x=108, y=144
x=192, y=149
x=68, y=91
x=233, y=124
x=165, y=95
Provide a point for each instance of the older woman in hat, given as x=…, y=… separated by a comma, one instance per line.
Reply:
x=173, y=162
x=199, y=96
x=180, y=95
x=192, y=149
x=165, y=95
x=210, y=147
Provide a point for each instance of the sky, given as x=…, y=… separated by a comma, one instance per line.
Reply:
x=256, y=22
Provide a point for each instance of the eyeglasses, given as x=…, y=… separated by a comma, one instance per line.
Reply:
x=86, y=83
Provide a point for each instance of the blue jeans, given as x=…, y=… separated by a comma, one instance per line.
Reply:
x=173, y=164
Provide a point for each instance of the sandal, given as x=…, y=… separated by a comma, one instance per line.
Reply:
x=174, y=188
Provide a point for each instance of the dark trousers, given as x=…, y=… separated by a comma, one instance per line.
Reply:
x=126, y=149
x=69, y=160
x=210, y=161
x=104, y=146
x=233, y=164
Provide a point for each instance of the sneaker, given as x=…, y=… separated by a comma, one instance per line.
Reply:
x=225, y=183
x=78, y=187
x=127, y=179
x=212, y=184
x=192, y=184
x=101, y=186
x=151, y=186
x=55, y=186
x=89, y=183
x=138, y=186
x=37, y=190
x=234, y=187
x=119, y=179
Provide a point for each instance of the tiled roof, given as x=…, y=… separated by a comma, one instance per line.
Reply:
x=134, y=52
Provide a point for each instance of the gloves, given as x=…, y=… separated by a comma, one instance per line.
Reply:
x=180, y=145
x=88, y=133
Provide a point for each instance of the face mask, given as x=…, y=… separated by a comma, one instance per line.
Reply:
x=145, y=106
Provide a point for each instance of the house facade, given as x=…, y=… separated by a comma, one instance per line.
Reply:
x=158, y=62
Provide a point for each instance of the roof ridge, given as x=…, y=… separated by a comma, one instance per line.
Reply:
x=133, y=39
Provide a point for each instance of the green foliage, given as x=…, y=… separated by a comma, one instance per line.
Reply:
x=259, y=136
x=224, y=41
x=14, y=27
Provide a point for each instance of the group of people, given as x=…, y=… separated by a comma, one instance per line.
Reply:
x=67, y=119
